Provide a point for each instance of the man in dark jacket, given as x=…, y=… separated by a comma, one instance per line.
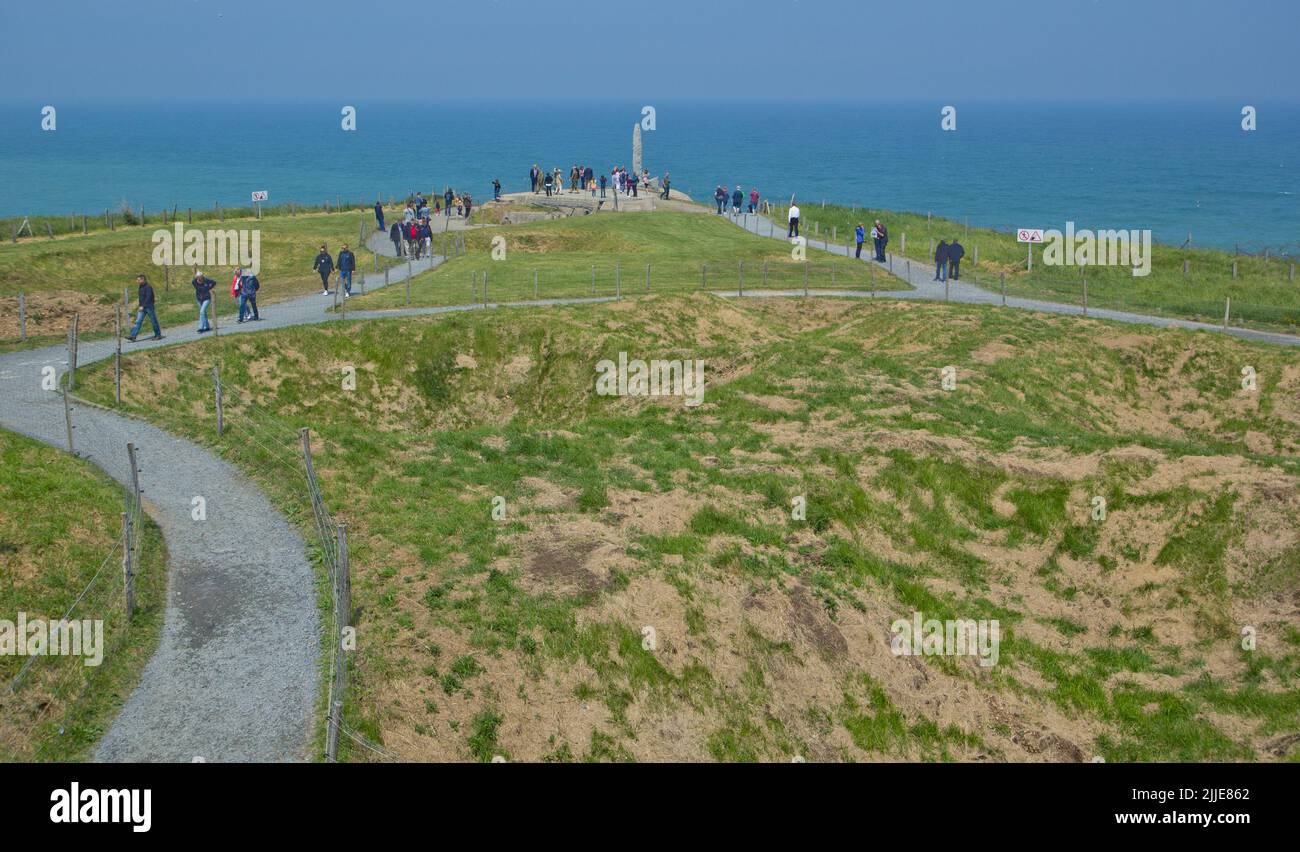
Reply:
x=447, y=199
x=469, y=203
x=737, y=199
x=346, y=263
x=144, y=293
x=324, y=265
x=955, y=253
x=602, y=184
x=379, y=215
x=395, y=234
x=720, y=196
x=248, y=287
x=496, y=189
x=941, y=261
x=203, y=287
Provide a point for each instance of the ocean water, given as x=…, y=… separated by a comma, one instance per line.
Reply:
x=1172, y=168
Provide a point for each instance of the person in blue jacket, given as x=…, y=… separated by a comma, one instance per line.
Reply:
x=860, y=236
x=324, y=265
x=248, y=287
x=203, y=287
x=955, y=253
x=145, y=296
x=346, y=263
x=379, y=215
x=941, y=261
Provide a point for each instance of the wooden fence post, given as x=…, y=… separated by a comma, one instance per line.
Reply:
x=22, y=316
x=216, y=393
x=67, y=421
x=128, y=570
x=117, y=355
x=72, y=353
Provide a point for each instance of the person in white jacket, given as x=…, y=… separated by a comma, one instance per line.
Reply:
x=794, y=222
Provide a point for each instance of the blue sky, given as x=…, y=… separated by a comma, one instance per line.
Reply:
x=235, y=50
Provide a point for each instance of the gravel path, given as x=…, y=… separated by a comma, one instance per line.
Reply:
x=920, y=275
x=235, y=676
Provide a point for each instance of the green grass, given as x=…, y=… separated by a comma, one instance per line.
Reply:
x=684, y=252
x=1263, y=295
x=61, y=521
x=88, y=274
x=623, y=513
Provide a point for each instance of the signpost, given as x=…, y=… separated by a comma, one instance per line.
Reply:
x=1030, y=236
x=258, y=197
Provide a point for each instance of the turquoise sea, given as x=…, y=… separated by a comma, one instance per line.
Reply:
x=1173, y=168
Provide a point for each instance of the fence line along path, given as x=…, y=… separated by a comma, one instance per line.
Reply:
x=920, y=275
x=235, y=674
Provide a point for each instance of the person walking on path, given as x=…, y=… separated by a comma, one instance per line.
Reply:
x=737, y=199
x=324, y=265
x=664, y=194
x=145, y=297
x=546, y=181
x=248, y=287
x=859, y=236
x=447, y=198
x=203, y=287
x=468, y=201
x=379, y=215
x=720, y=197
x=395, y=234
x=602, y=184
x=413, y=241
x=941, y=261
x=496, y=189
x=794, y=222
x=346, y=263
x=880, y=237
x=955, y=253
x=753, y=200
x=534, y=178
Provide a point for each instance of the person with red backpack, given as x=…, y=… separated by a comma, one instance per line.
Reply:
x=413, y=240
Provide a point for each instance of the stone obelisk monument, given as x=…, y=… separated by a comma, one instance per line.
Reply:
x=636, y=148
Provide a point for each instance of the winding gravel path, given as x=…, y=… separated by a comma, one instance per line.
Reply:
x=235, y=676
x=920, y=275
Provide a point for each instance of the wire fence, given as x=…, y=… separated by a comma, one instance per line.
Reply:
x=266, y=441
x=52, y=690
x=1257, y=287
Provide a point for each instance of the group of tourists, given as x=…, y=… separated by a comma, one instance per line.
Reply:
x=947, y=260
x=346, y=264
x=584, y=179
x=411, y=239
x=737, y=199
x=243, y=286
x=879, y=239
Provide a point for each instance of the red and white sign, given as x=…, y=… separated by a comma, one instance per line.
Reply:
x=260, y=195
x=1029, y=235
